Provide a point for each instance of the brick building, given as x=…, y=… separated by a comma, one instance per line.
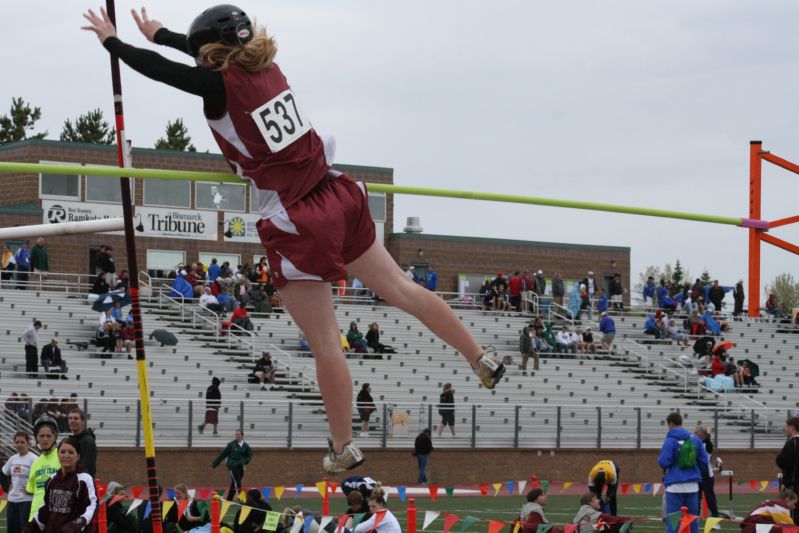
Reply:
x=184, y=221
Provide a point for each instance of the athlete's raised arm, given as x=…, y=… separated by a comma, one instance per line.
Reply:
x=155, y=32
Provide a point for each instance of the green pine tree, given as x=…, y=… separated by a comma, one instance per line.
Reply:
x=21, y=118
x=705, y=278
x=89, y=128
x=177, y=138
x=677, y=275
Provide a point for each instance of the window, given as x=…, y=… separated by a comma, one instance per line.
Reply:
x=220, y=196
x=377, y=206
x=233, y=259
x=161, y=262
x=105, y=189
x=59, y=186
x=167, y=193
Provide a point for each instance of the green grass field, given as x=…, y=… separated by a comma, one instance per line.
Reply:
x=560, y=509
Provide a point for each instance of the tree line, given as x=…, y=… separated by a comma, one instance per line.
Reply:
x=90, y=127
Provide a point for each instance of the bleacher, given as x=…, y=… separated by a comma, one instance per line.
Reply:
x=611, y=400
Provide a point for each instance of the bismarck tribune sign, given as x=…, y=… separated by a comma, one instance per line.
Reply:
x=149, y=221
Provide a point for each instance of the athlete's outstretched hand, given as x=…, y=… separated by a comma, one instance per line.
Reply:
x=101, y=26
x=146, y=26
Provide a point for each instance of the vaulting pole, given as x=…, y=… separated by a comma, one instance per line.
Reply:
x=130, y=244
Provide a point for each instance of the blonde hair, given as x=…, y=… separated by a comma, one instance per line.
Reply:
x=378, y=494
x=254, y=56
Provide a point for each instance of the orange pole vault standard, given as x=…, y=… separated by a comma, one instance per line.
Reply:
x=757, y=226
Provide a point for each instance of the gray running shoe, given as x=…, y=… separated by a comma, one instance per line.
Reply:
x=490, y=370
x=349, y=458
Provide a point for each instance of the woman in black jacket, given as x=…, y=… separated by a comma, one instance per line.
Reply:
x=366, y=406
x=446, y=408
x=373, y=340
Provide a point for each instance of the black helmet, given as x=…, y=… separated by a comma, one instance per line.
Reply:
x=42, y=421
x=223, y=23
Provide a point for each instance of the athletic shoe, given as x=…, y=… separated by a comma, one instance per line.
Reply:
x=200, y=428
x=490, y=370
x=349, y=458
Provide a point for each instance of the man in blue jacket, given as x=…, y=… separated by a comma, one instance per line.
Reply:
x=681, y=457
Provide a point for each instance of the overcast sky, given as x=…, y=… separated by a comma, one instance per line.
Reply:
x=632, y=102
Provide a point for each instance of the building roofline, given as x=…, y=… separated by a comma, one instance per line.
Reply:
x=162, y=153
x=26, y=208
x=513, y=242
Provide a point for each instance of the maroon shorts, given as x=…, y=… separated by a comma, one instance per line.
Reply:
x=313, y=239
x=211, y=416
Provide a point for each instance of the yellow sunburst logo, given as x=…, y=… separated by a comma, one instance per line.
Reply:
x=238, y=227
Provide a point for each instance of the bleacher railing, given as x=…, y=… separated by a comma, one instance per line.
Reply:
x=271, y=422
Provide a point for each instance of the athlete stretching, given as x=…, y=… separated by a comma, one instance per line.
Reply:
x=315, y=223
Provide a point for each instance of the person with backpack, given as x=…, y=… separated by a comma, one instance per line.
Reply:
x=681, y=458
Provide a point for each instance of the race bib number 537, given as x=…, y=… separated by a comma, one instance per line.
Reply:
x=280, y=121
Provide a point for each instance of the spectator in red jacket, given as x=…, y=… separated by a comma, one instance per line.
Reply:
x=717, y=367
x=515, y=291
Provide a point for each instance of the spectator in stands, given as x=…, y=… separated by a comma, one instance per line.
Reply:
x=195, y=517
x=70, y=500
x=662, y=293
x=526, y=349
x=260, y=300
x=446, y=408
x=602, y=301
x=681, y=458
x=576, y=340
x=40, y=264
x=108, y=266
x=9, y=264
x=23, y=260
x=31, y=339
x=563, y=342
x=123, y=281
x=262, y=274
x=264, y=370
x=100, y=285
x=738, y=296
x=591, y=286
x=422, y=448
x=746, y=374
x=52, y=361
x=431, y=278
x=717, y=366
x=527, y=289
x=716, y=295
x=373, y=340
x=515, y=291
x=558, y=288
x=588, y=341
x=607, y=326
x=707, y=485
x=540, y=343
x=213, y=401
x=605, y=473
x=488, y=292
x=118, y=314
x=591, y=519
x=654, y=326
x=356, y=340
x=12, y=404
x=241, y=318
x=85, y=436
x=616, y=293
x=779, y=511
x=697, y=323
x=210, y=302
x=772, y=306
x=649, y=291
x=243, y=288
x=674, y=333
x=237, y=454
x=214, y=270
x=788, y=459
x=501, y=302
x=366, y=406
x=18, y=469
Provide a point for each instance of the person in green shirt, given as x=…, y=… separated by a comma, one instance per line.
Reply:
x=45, y=431
x=236, y=454
x=39, y=261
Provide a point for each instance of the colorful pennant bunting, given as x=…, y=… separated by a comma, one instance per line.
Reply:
x=468, y=521
x=449, y=521
x=429, y=517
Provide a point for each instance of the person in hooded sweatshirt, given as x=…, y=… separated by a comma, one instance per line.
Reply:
x=69, y=496
x=88, y=447
x=590, y=516
x=532, y=514
x=681, y=457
